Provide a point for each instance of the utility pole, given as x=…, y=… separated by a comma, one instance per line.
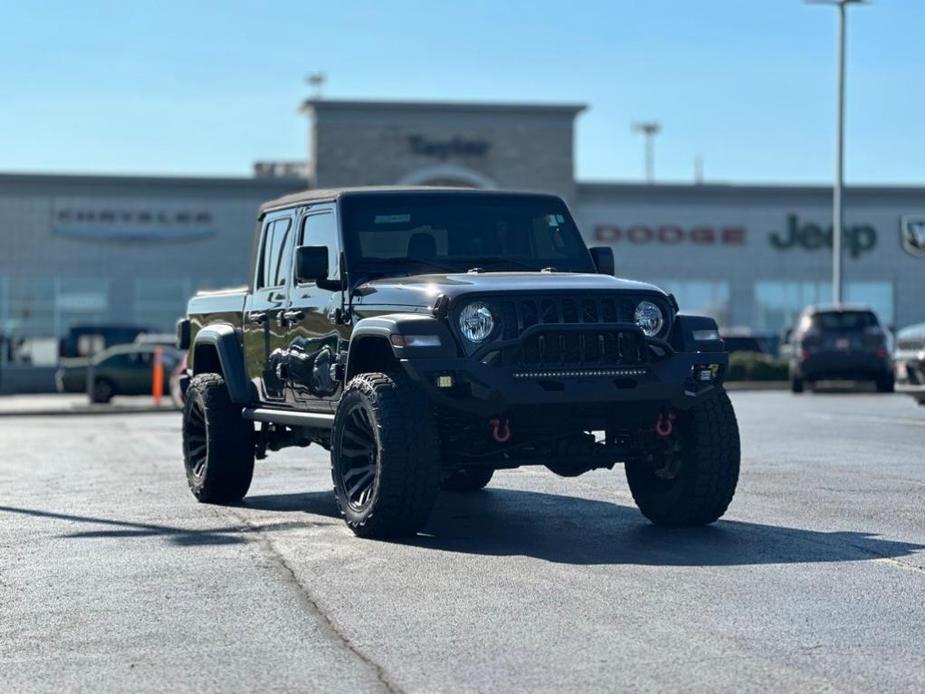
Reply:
x=698, y=170
x=649, y=130
x=838, y=204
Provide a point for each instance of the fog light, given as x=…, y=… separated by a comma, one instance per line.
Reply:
x=706, y=373
x=445, y=381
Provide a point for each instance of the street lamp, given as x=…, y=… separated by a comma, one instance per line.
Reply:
x=316, y=80
x=649, y=129
x=838, y=205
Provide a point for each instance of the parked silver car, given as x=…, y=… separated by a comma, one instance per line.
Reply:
x=909, y=356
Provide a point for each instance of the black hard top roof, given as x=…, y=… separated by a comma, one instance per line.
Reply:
x=330, y=194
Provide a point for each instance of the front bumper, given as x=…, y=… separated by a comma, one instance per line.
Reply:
x=843, y=365
x=909, y=367
x=674, y=380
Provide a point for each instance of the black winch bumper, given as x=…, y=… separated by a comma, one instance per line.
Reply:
x=678, y=380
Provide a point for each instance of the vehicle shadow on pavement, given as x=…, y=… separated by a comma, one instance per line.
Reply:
x=187, y=537
x=573, y=530
x=317, y=503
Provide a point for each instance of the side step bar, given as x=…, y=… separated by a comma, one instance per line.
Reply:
x=313, y=420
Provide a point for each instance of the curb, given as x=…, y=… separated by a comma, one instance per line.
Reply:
x=756, y=385
x=92, y=411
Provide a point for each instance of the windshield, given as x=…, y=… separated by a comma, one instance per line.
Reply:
x=436, y=232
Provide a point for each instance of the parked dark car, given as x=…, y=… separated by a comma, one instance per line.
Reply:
x=71, y=376
x=428, y=337
x=840, y=343
x=127, y=370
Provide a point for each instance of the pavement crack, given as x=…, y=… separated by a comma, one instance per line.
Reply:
x=329, y=625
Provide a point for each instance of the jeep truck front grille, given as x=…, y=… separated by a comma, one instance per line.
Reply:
x=573, y=335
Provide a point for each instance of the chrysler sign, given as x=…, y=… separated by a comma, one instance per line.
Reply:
x=127, y=224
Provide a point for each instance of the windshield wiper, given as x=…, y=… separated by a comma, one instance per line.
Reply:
x=519, y=264
x=400, y=264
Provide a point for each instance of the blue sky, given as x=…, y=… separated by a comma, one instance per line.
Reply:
x=207, y=87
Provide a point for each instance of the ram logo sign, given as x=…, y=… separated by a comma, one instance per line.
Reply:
x=912, y=233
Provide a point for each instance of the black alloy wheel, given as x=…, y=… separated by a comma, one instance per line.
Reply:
x=358, y=462
x=218, y=443
x=385, y=456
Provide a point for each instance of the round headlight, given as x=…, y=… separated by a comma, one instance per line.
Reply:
x=476, y=321
x=649, y=317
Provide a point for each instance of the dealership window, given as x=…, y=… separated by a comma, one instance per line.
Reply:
x=159, y=302
x=81, y=300
x=36, y=311
x=703, y=297
x=778, y=304
x=877, y=295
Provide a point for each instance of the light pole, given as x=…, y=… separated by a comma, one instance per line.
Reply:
x=316, y=80
x=649, y=130
x=838, y=205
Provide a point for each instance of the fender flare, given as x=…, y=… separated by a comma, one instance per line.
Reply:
x=227, y=344
x=384, y=327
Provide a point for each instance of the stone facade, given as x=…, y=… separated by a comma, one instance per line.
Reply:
x=526, y=147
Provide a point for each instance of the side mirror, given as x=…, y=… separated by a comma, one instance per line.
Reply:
x=603, y=260
x=311, y=264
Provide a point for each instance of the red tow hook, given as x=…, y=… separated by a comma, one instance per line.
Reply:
x=500, y=430
x=664, y=425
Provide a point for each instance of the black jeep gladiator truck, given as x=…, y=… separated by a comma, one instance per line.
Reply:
x=428, y=337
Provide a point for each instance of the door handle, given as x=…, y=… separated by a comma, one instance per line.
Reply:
x=258, y=317
x=289, y=317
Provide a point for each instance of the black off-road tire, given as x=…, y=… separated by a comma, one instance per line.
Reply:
x=468, y=479
x=102, y=391
x=706, y=478
x=886, y=384
x=796, y=384
x=218, y=444
x=402, y=451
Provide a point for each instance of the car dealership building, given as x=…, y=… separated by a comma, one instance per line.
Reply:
x=120, y=249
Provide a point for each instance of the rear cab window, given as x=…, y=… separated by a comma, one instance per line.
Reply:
x=844, y=320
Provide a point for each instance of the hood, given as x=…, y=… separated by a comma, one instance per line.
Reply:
x=422, y=290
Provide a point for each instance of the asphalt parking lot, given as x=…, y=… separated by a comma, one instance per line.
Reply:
x=113, y=578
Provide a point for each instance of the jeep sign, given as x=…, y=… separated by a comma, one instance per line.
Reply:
x=810, y=236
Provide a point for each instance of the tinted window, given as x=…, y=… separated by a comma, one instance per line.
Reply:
x=118, y=360
x=844, y=320
x=272, y=267
x=321, y=230
x=462, y=231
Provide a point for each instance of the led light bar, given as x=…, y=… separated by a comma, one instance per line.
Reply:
x=591, y=373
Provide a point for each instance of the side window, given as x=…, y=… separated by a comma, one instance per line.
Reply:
x=272, y=263
x=321, y=230
x=117, y=361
